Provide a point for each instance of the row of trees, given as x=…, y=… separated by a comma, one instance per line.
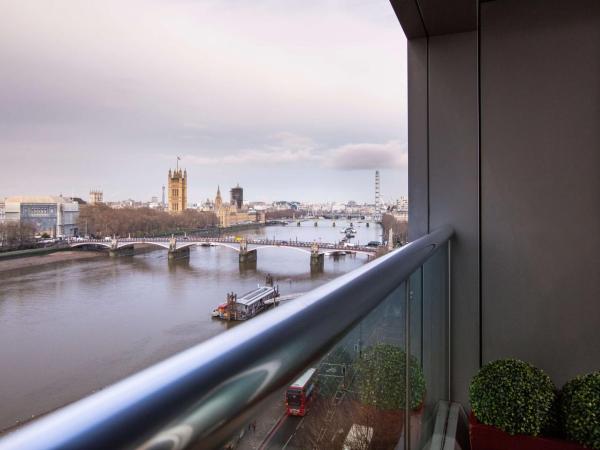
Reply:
x=16, y=235
x=399, y=229
x=102, y=220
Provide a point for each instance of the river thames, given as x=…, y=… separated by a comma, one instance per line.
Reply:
x=71, y=328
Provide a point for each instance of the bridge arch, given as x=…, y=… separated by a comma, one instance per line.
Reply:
x=130, y=244
x=96, y=244
x=217, y=244
x=179, y=246
x=286, y=247
x=358, y=252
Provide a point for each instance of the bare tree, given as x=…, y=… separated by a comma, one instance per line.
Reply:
x=102, y=220
x=399, y=229
x=16, y=235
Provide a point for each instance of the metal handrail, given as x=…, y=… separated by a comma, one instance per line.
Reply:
x=204, y=394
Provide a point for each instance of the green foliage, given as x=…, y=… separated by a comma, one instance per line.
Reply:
x=554, y=427
x=512, y=395
x=580, y=410
x=381, y=378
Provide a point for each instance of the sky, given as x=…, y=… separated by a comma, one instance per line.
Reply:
x=293, y=100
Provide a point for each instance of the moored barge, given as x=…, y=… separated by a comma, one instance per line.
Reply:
x=248, y=305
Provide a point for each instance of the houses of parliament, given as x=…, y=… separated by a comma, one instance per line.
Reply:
x=177, y=190
x=228, y=214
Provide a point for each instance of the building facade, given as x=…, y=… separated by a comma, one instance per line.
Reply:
x=177, y=190
x=237, y=197
x=95, y=197
x=53, y=215
x=229, y=214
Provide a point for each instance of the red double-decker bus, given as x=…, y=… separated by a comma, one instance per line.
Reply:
x=300, y=393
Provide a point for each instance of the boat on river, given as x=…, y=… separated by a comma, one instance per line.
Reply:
x=248, y=305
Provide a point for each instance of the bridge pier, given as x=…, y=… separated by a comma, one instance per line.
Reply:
x=123, y=251
x=177, y=253
x=114, y=251
x=246, y=256
x=317, y=260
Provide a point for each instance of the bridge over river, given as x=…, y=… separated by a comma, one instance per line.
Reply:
x=247, y=248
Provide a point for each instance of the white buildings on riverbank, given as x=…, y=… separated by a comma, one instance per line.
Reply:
x=54, y=215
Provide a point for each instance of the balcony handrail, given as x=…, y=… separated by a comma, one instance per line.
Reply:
x=206, y=393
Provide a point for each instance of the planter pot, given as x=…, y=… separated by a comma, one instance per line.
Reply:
x=486, y=437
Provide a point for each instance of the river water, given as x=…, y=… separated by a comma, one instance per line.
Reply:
x=71, y=328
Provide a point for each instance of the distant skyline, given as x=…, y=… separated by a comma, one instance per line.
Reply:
x=292, y=100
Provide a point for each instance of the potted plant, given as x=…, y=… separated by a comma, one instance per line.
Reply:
x=381, y=374
x=579, y=410
x=513, y=403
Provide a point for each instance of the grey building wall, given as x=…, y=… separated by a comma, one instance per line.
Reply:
x=443, y=175
x=41, y=216
x=504, y=145
x=418, y=136
x=50, y=215
x=540, y=183
x=453, y=179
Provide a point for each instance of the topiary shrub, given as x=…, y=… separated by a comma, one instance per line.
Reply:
x=381, y=378
x=513, y=396
x=553, y=427
x=580, y=410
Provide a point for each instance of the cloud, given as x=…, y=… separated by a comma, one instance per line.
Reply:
x=290, y=148
x=248, y=157
x=280, y=148
x=286, y=139
x=369, y=156
x=124, y=82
